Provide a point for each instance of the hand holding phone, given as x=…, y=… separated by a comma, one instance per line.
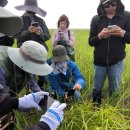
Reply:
x=111, y=27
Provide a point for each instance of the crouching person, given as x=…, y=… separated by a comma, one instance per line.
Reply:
x=49, y=121
x=66, y=78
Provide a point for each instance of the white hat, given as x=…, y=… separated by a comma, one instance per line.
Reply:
x=10, y=24
x=31, y=57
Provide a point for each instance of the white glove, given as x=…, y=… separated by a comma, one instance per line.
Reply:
x=54, y=116
x=31, y=100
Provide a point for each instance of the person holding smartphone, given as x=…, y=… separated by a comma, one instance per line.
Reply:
x=63, y=36
x=109, y=31
x=34, y=28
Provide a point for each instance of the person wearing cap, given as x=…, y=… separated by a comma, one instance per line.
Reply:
x=109, y=31
x=64, y=36
x=66, y=75
x=5, y=40
x=34, y=28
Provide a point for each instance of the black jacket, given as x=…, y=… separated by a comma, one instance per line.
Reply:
x=8, y=104
x=25, y=35
x=109, y=51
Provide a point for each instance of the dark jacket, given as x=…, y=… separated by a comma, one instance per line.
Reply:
x=25, y=35
x=6, y=41
x=11, y=76
x=8, y=104
x=60, y=83
x=109, y=51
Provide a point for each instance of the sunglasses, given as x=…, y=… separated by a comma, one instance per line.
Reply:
x=107, y=5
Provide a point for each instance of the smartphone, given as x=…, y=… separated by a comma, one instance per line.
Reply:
x=111, y=27
x=35, y=24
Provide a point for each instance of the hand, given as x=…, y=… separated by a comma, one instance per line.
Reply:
x=57, y=38
x=31, y=100
x=37, y=31
x=66, y=39
x=77, y=87
x=31, y=29
x=54, y=116
x=104, y=33
x=118, y=32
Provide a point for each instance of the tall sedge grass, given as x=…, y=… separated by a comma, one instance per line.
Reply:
x=114, y=113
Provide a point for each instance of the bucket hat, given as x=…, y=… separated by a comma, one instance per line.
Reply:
x=3, y=3
x=31, y=57
x=31, y=5
x=59, y=54
x=10, y=24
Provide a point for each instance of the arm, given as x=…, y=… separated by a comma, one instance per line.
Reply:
x=77, y=75
x=127, y=29
x=55, y=38
x=3, y=87
x=55, y=85
x=32, y=84
x=51, y=119
x=93, y=38
x=70, y=40
x=45, y=35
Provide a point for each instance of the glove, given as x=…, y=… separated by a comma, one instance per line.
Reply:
x=54, y=116
x=31, y=100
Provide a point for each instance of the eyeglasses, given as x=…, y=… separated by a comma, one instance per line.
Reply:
x=107, y=5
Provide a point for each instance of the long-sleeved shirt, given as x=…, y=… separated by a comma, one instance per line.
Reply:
x=70, y=39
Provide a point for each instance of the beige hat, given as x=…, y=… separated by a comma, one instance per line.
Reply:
x=31, y=57
x=59, y=54
x=10, y=24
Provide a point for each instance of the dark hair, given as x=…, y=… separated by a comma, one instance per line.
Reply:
x=63, y=18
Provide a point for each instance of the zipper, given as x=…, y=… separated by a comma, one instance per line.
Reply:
x=108, y=46
x=108, y=50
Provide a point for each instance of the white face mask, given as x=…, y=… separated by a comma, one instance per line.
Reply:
x=59, y=67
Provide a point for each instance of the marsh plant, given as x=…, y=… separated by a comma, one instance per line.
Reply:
x=113, y=114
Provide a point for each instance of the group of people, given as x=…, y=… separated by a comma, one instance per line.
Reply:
x=109, y=33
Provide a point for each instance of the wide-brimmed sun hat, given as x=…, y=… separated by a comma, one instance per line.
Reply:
x=31, y=5
x=31, y=57
x=59, y=54
x=3, y=3
x=10, y=24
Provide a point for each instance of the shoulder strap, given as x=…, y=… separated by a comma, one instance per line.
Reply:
x=69, y=34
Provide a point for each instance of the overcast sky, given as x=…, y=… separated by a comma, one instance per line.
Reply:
x=79, y=12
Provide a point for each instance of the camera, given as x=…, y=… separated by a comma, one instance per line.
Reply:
x=34, y=24
x=111, y=27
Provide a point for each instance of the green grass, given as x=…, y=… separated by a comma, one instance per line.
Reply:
x=111, y=116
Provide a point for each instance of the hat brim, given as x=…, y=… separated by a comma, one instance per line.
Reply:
x=34, y=9
x=59, y=58
x=3, y=3
x=10, y=24
x=26, y=65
